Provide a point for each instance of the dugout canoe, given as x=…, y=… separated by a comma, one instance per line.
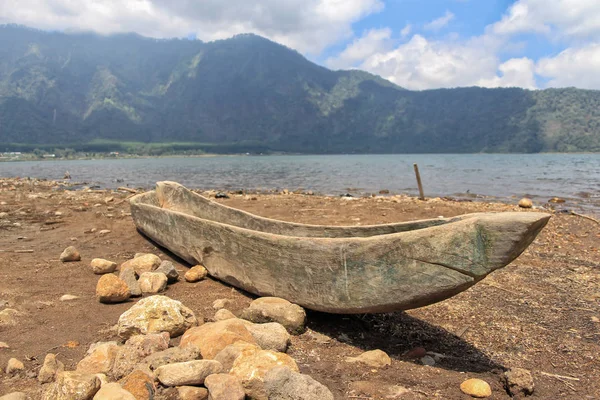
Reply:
x=336, y=269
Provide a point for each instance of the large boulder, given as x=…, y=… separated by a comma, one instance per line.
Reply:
x=213, y=337
x=270, y=336
x=111, y=289
x=252, y=366
x=139, y=384
x=71, y=385
x=224, y=387
x=156, y=314
x=282, y=383
x=143, y=263
x=274, y=309
x=187, y=373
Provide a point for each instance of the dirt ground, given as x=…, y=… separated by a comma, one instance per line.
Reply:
x=540, y=313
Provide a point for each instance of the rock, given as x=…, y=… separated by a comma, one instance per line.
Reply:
x=111, y=289
x=224, y=387
x=270, y=336
x=416, y=353
x=167, y=268
x=274, y=309
x=13, y=366
x=142, y=263
x=103, y=379
x=127, y=275
x=284, y=384
x=50, y=369
x=70, y=254
x=378, y=390
x=223, y=314
x=132, y=354
x=172, y=355
x=221, y=303
x=373, y=358
x=14, y=396
x=72, y=386
x=156, y=314
x=8, y=316
x=101, y=266
x=152, y=282
x=140, y=385
x=104, y=232
x=99, y=358
x=229, y=354
x=3, y=215
x=213, y=337
x=192, y=393
x=556, y=200
x=196, y=274
x=518, y=381
x=113, y=391
x=525, y=203
x=252, y=366
x=476, y=388
x=4, y=345
x=428, y=360
x=187, y=373
x=68, y=297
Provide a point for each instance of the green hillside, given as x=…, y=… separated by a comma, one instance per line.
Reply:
x=247, y=93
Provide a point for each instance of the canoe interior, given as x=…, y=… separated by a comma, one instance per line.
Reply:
x=175, y=197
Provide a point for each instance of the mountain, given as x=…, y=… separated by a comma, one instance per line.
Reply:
x=92, y=92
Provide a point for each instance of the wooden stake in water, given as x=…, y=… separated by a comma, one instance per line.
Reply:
x=421, y=195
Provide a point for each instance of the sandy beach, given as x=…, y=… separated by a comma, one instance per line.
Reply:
x=540, y=313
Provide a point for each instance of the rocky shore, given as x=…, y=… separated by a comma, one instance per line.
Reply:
x=90, y=309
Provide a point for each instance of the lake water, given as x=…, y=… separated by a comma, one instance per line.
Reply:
x=575, y=177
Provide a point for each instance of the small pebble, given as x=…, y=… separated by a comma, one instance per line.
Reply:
x=476, y=388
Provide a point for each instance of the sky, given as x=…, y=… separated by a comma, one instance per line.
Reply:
x=417, y=44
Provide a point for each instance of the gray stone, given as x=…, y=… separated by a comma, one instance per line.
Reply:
x=127, y=275
x=167, y=268
x=172, y=355
x=274, y=309
x=519, y=381
x=281, y=383
x=152, y=282
x=270, y=336
x=50, y=369
x=70, y=254
x=187, y=373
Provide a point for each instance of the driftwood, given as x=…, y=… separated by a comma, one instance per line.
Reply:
x=354, y=269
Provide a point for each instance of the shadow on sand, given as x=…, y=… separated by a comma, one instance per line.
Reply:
x=397, y=333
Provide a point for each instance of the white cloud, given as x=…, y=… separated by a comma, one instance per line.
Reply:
x=424, y=64
x=570, y=19
x=440, y=22
x=406, y=31
x=516, y=72
x=306, y=25
x=573, y=67
x=372, y=41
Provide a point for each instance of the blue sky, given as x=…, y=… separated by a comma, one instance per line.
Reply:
x=418, y=44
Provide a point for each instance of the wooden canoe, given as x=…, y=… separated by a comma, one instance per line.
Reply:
x=336, y=269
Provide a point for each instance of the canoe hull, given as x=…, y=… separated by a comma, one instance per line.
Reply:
x=378, y=273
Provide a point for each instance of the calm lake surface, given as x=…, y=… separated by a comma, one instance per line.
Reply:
x=575, y=177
